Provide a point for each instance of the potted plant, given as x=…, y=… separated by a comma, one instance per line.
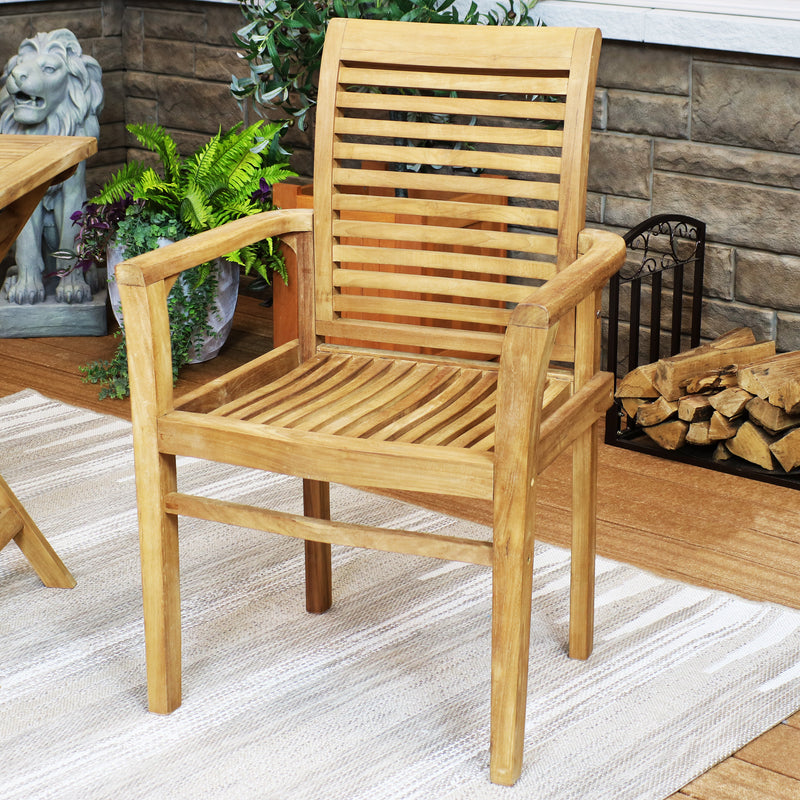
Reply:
x=141, y=208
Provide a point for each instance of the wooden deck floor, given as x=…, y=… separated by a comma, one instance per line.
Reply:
x=684, y=522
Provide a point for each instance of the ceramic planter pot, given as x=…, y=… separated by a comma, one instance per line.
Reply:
x=220, y=315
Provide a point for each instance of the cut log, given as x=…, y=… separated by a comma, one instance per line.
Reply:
x=713, y=381
x=737, y=337
x=631, y=405
x=787, y=450
x=638, y=383
x=695, y=408
x=791, y=396
x=752, y=444
x=721, y=453
x=768, y=416
x=669, y=435
x=660, y=410
x=675, y=373
x=720, y=427
x=731, y=402
x=698, y=433
x=767, y=377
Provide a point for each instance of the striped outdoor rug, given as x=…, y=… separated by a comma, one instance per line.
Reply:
x=384, y=697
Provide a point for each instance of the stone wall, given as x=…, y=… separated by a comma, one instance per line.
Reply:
x=179, y=58
x=98, y=26
x=717, y=136
x=163, y=62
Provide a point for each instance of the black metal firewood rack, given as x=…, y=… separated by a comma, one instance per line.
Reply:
x=655, y=302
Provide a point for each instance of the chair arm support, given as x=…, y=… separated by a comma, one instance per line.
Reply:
x=603, y=253
x=172, y=259
x=565, y=424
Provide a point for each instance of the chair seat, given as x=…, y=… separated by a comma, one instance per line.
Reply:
x=384, y=399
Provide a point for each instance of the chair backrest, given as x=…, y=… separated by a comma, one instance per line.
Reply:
x=441, y=150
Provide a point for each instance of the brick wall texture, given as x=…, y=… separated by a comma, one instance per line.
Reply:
x=711, y=134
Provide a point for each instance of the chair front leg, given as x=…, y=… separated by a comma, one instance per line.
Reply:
x=584, y=534
x=512, y=571
x=158, y=541
x=319, y=591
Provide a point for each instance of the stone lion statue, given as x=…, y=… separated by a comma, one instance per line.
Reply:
x=50, y=87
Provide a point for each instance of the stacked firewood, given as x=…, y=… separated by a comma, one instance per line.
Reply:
x=733, y=393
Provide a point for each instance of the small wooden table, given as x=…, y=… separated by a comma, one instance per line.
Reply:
x=29, y=165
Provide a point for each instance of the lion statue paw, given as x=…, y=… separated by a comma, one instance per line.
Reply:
x=73, y=288
x=23, y=289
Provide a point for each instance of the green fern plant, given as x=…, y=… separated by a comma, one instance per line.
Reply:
x=228, y=178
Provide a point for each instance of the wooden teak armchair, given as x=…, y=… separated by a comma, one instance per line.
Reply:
x=423, y=363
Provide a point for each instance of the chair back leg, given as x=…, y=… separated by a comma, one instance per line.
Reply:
x=584, y=528
x=319, y=591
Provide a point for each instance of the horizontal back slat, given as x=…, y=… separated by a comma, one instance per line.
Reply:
x=531, y=137
x=454, y=184
x=469, y=81
x=519, y=109
x=444, y=60
x=461, y=237
x=475, y=212
x=437, y=156
x=441, y=260
x=394, y=307
x=409, y=336
x=465, y=46
x=427, y=284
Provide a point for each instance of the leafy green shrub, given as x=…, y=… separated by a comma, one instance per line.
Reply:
x=282, y=41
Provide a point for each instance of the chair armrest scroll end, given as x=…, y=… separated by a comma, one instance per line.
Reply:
x=601, y=254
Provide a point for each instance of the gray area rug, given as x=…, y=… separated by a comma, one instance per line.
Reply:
x=385, y=696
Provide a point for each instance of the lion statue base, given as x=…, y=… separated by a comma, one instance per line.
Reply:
x=51, y=88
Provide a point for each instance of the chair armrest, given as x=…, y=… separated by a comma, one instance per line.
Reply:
x=168, y=261
x=144, y=284
x=603, y=253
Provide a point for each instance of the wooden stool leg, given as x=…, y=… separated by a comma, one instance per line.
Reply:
x=158, y=540
x=584, y=525
x=16, y=524
x=511, y=627
x=319, y=591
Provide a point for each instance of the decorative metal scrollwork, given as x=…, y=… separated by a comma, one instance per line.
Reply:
x=655, y=259
x=664, y=243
